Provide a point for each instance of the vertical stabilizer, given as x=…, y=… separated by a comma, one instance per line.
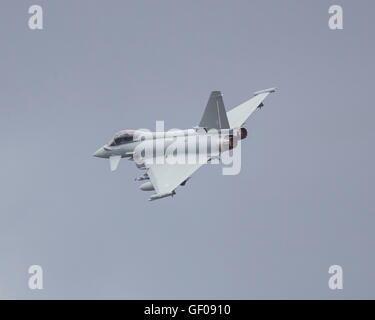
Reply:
x=214, y=115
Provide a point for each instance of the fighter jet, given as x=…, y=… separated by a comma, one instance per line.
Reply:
x=222, y=129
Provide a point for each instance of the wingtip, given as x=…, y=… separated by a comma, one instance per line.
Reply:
x=269, y=90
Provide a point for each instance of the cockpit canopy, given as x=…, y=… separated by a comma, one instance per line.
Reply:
x=122, y=137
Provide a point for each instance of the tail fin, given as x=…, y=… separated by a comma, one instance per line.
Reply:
x=214, y=115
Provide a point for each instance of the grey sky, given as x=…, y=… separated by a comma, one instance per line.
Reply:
x=303, y=200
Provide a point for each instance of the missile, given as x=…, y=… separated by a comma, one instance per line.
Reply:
x=163, y=195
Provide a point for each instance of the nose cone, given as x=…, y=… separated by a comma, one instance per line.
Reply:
x=100, y=153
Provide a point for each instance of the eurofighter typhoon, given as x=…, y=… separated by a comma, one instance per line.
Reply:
x=169, y=158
